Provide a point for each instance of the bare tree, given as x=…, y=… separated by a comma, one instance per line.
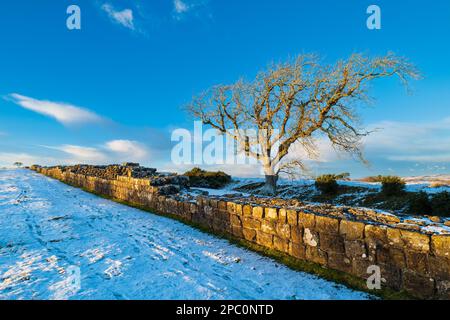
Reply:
x=18, y=164
x=296, y=102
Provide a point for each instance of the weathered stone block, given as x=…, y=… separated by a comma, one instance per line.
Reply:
x=193, y=208
x=395, y=237
x=235, y=220
x=292, y=217
x=247, y=210
x=297, y=235
x=331, y=243
x=395, y=256
x=283, y=230
x=222, y=215
x=306, y=220
x=327, y=225
x=209, y=212
x=282, y=216
x=249, y=234
x=268, y=227
x=352, y=230
x=222, y=205
x=251, y=223
x=339, y=261
x=201, y=201
x=219, y=225
x=264, y=239
x=441, y=245
x=316, y=255
x=375, y=234
x=360, y=267
x=281, y=244
x=186, y=205
x=439, y=267
x=237, y=231
x=355, y=249
x=297, y=250
x=258, y=212
x=417, y=261
x=238, y=208
x=198, y=218
x=415, y=240
x=214, y=203
x=231, y=207
x=271, y=213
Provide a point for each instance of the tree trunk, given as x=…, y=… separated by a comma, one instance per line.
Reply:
x=270, y=188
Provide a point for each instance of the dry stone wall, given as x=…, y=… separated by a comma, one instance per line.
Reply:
x=410, y=260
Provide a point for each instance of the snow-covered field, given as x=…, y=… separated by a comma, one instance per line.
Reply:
x=50, y=233
x=413, y=184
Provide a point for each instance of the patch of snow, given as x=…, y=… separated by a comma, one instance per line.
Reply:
x=220, y=192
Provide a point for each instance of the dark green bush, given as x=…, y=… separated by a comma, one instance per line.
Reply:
x=392, y=185
x=420, y=204
x=207, y=179
x=342, y=176
x=440, y=202
x=327, y=184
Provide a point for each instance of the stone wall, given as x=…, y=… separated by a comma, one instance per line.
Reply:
x=413, y=261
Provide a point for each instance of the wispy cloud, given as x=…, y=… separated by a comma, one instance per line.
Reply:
x=80, y=153
x=127, y=148
x=64, y=113
x=114, y=151
x=411, y=142
x=124, y=17
x=180, y=6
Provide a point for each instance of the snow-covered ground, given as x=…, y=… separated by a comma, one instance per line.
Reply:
x=50, y=233
x=413, y=184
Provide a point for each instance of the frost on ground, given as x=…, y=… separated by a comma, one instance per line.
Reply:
x=50, y=231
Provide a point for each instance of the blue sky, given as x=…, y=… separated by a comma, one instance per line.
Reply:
x=135, y=63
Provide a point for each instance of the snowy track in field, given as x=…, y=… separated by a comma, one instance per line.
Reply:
x=48, y=229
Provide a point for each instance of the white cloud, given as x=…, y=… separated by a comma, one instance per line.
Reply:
x=124, y=17
x=180, y=6
x=427, y=142
x=80, y=153
x=127, y=148
x=197, y=8
x=115, y=151
x=64, y=113
x=403, y=141
x=7, y=159
x=422, y=158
